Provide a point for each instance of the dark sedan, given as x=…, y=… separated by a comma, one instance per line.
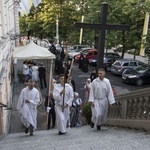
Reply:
x=109, y=59
x=138, y=75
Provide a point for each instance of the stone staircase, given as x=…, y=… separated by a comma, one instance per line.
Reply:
x=81, y=138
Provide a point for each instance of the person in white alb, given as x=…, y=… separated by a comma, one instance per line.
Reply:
x=62, y=110
x=27, y=106
x=25, y=71
x=101, y=95
x=35, y=72
x=87, y=88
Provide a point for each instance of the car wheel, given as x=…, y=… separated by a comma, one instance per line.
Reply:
x=139, y=81
x=108, y=68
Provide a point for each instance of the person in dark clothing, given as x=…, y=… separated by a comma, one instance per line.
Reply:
x=60, y=67
x=68, y=65
x=71, y=82
x=57, y=61
x=93, y=74
x=53, y=49
x=51, y=112
x=84, y=64
x=62, y=54
x=80, y=60
x=42, y=75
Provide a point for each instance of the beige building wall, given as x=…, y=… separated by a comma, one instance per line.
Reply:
x=8, y=29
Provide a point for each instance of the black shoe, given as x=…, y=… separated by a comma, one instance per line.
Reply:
x=98, y=127
x=92, y=124
x=61, y=133
x=31, y=134
x=48, y=128
x=26, y=130
x=31, y=129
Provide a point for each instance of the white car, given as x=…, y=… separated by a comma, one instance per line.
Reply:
x=71, y=55
x=76, y=47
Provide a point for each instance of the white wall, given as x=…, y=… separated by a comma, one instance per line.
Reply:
x=7, y=27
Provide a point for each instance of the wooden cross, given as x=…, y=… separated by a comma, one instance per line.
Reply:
x=102, y=27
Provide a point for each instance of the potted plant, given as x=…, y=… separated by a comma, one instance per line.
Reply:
x=86, y=111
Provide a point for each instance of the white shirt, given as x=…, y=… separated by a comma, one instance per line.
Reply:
x=25, y=69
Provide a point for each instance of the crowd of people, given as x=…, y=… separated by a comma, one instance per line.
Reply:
x=35, y=72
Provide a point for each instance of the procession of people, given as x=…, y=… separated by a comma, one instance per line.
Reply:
x=63, y=105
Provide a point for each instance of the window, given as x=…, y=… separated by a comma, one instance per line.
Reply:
x=90, y=54
x=75, y=47
x=148, y=72
x=126, y=64
x=117, y=63
x=133, y=64
x=141, y=63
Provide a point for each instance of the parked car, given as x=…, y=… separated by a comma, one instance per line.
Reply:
x=119, y=49
x=90, y=53
x=139, y=75
x=73, y=54
x=119, y=66
x=76, y=47
x=132, y=51
x=109, y=59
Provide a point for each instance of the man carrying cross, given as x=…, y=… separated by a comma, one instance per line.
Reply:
x=62, y=104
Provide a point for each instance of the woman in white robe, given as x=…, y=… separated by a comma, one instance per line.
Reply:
x=62, y=111
x=27, y=106
x=101, y=95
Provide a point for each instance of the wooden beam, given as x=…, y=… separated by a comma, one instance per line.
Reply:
x=99, y=26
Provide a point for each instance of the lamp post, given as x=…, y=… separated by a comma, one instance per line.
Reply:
x=57, y=30
x=81, y=31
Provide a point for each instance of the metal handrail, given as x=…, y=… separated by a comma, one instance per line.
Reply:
x=3, y=105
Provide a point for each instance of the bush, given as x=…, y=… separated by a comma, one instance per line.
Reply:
x=86, y=111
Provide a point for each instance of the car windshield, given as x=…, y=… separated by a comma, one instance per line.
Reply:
x=117, y=63
x=141, y=69
x=74, y=47
x=79, y=50
x=111, y=55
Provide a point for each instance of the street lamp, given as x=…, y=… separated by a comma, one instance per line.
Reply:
x=57, y=30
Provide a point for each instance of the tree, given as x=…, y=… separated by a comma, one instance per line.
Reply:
x=42, y=20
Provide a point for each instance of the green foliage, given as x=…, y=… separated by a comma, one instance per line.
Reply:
x=42, y=20
x=86, y=111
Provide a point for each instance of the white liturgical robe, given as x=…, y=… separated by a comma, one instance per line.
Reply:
x=35, y=73
x=28, y=111
x=101, y=94
x=62, y=116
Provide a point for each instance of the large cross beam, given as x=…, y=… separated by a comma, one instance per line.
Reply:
x=102, y=27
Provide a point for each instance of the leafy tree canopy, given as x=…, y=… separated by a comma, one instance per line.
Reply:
x=42, y=20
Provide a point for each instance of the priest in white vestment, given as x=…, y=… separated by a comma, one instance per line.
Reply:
x=101, y=95
x=27, y=106
x=62, y=110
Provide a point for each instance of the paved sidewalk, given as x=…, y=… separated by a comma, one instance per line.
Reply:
x=141, y=58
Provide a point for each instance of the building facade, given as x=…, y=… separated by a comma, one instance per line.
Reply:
x=9, y=31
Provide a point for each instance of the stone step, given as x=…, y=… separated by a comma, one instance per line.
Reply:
x=81, y=138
